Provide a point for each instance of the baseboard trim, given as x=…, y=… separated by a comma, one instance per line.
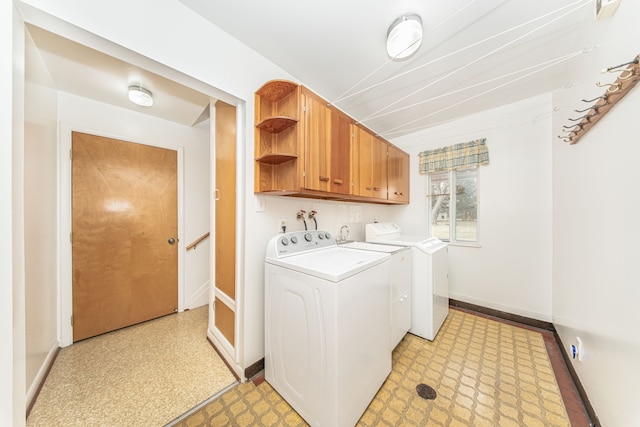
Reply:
x=233, y=371
x=199, y=297
x=255, y=369
x=595, y=422
x=51, y=360
x=523, y=320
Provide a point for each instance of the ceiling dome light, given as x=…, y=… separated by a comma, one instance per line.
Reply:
x=404, y=36
x=140, y=96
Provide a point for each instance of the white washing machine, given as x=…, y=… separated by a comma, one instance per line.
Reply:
x=327, y=333
x=429, y=276
x=400, y=286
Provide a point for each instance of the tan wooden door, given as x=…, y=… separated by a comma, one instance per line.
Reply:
x=124, y=203
x=225, y=213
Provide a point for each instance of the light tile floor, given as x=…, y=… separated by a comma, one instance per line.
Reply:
x=144, y=375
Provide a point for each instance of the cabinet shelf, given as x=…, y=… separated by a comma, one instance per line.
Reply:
x=276, y=159
x=276, y=124
x=276, y=90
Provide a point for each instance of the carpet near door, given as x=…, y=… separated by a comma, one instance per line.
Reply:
x=485, y=373
x=143, y=375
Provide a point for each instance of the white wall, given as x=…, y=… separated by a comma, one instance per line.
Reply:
x=511, y=269
x=12, y=328
x=41, y=220
x=596, y=268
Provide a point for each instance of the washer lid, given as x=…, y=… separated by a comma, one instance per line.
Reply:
x=381, y=230
x=334, y=264
x=374, y=247
x=424, y=243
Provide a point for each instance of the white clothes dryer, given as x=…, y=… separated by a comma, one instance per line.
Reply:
x=327, y=334
x=429, y=276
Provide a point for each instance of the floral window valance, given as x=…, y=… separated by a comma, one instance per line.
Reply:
x=458, y=156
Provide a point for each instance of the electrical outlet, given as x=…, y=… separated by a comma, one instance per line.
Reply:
x=260, y=204
x=577, y=350
x=580, y=349
x=283, y=225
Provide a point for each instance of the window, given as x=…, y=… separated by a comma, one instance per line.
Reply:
x=454, y=214
x=452, y=173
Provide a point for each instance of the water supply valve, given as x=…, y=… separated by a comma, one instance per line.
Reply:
x=300, y=216
x=312, y=215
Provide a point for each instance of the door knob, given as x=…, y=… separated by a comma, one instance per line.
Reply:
x=171, y=240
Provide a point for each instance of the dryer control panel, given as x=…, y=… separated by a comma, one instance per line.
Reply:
x=295, y=242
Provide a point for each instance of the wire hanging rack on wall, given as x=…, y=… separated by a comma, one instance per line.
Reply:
x=615, y=91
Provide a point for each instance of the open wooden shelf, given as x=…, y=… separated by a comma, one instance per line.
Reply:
x=276, y=90
x=276, y=124
x=276, y=159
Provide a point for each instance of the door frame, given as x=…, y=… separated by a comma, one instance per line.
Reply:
x=233, y=355
x=65, y=295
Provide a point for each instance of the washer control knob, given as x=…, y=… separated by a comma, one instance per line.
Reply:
x=320, y=236
x=327, y=235
x=307, y=237
x=284, y=241
x=294, y=239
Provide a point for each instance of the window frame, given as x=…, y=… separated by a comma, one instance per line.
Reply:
x=452, y=208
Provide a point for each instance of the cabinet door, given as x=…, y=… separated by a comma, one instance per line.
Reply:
x=363, y=166
x=317, y=118
x=379, y=173
x=371, y=163
x=398, y=170
x=340, y=165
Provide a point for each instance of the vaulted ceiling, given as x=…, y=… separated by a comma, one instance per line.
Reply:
x=475, y=55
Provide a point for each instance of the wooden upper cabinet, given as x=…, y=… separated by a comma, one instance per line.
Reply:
x=304, y=147
x=398, y=172
x=370, y=179
x=317, y=137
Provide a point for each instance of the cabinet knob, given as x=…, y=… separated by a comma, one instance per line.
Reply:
x=337, y=181
x=398, y=194
x=324, y=178
x=376, y=188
